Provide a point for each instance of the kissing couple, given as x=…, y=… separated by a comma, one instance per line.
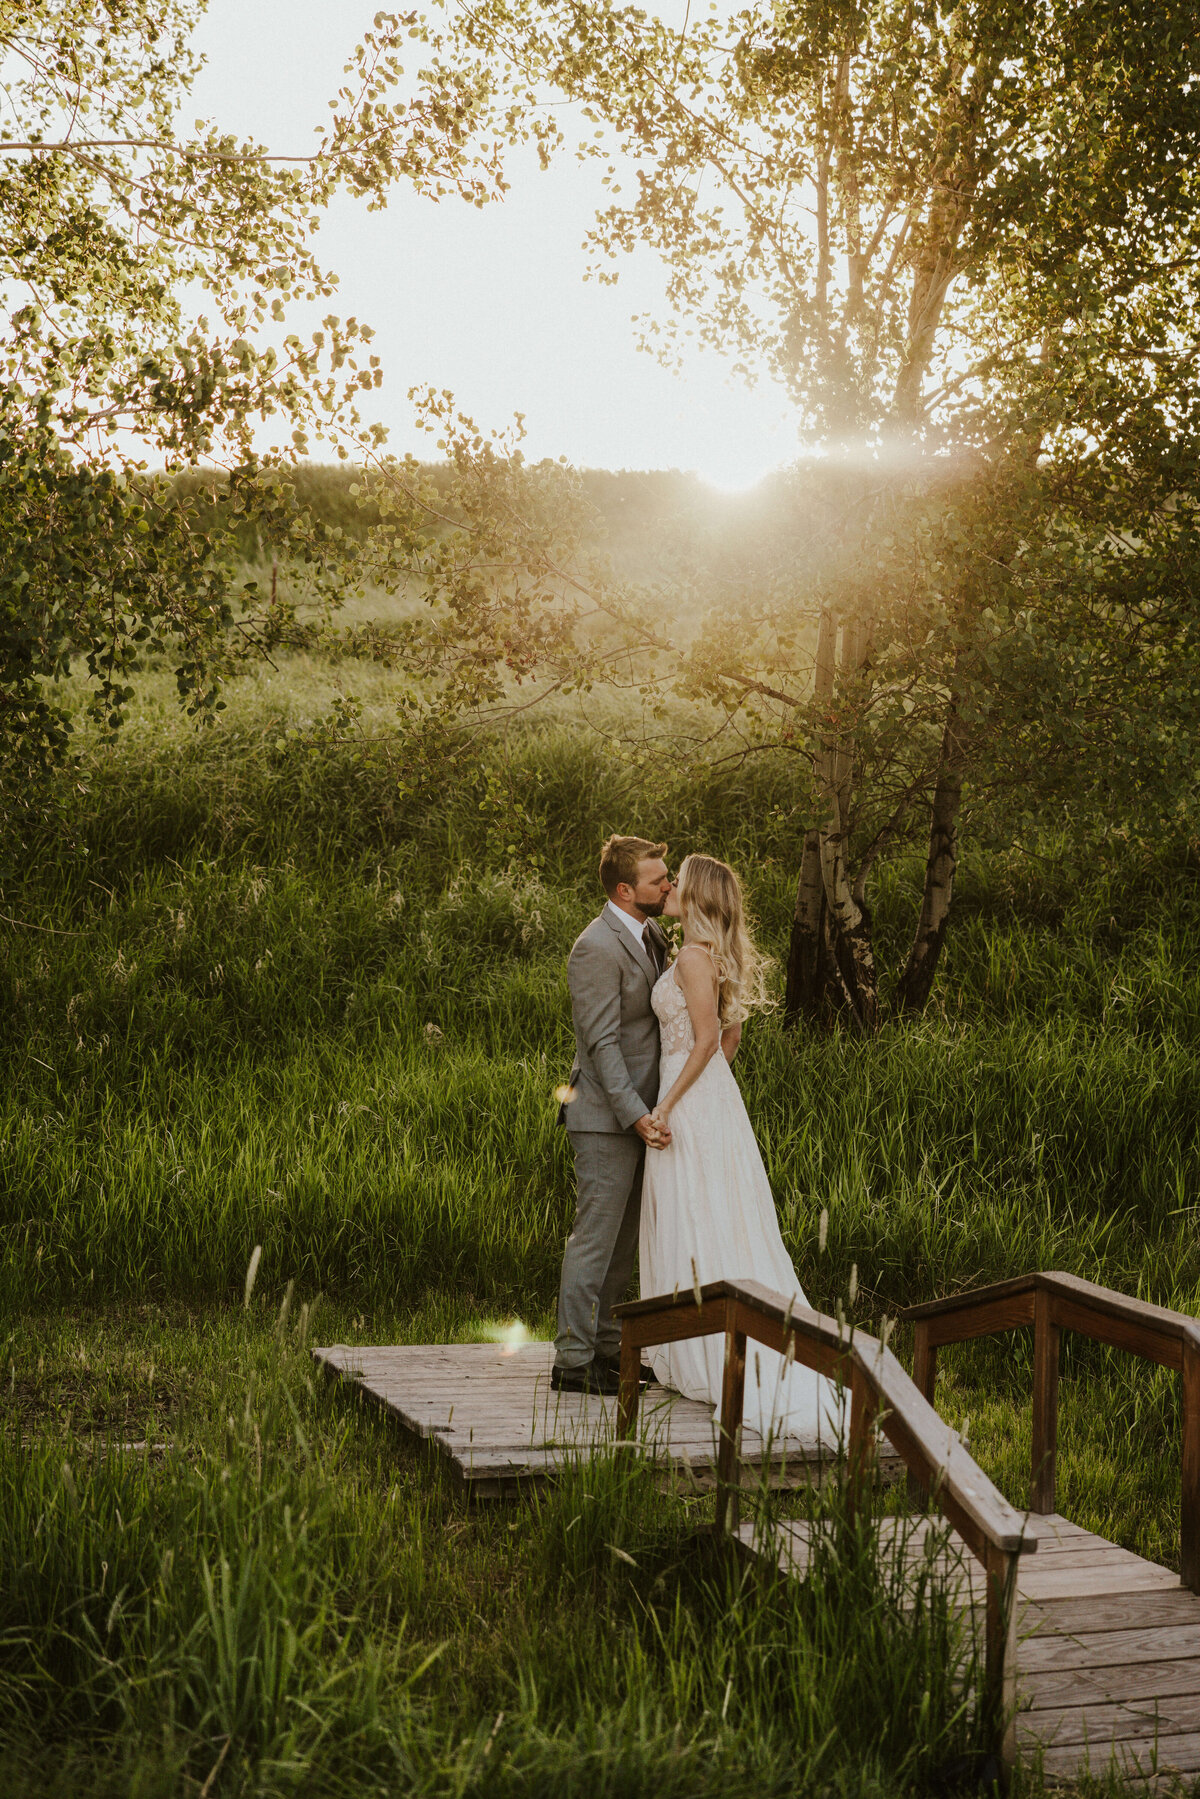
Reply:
x=666, y=1161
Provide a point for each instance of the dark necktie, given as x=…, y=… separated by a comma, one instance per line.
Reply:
x=650, y=943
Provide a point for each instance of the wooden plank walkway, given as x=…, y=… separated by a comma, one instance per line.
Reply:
x=491, y=1411
x=1108, y=1663
x=1108, y=1659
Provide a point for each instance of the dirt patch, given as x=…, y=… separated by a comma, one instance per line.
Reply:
x=89, y=1403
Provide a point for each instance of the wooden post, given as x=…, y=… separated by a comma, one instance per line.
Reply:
x=733, y=1400
x=924, y=1379
x=924, y=1360
x=627, y=1398
x=860, y=1457
x=1189, y=1507
x=1000, y=1653
x=1044, y=1472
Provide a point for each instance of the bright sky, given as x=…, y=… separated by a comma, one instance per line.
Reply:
x=490, y=303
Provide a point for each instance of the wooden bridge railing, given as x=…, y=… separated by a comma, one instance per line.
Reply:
x=1052, y=1303
x=881, y=1396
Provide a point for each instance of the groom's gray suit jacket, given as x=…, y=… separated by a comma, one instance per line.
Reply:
x=615, y=1076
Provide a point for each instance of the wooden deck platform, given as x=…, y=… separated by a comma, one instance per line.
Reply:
x=491, y=1411
x=1108, y=1661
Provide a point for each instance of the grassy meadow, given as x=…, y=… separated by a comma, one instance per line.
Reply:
x=262, y=991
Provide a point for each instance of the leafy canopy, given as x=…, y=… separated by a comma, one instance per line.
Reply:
x=147, y=273
x=966, y=240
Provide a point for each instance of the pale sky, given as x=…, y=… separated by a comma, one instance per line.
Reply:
x=490, y=303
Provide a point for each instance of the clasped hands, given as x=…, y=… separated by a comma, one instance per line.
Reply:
x=653, y=1129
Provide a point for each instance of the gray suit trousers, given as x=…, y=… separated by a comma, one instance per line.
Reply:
x=600, y=1253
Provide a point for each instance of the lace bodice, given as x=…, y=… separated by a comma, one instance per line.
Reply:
x=674, y=1020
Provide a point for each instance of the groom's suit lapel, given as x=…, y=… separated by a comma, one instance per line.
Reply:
x=638, y=957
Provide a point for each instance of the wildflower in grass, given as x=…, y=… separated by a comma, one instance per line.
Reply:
x=252, y=1272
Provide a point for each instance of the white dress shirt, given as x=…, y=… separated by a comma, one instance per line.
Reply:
x=632, y=925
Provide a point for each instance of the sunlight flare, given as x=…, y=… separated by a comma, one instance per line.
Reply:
x=511, y=1336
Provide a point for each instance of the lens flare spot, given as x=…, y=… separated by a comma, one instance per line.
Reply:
x=510, y=1336
x=564, y=1095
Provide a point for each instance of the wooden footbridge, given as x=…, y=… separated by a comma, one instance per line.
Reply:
x=1091, y=1654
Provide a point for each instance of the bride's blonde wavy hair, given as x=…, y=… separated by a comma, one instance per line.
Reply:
x=710, y=899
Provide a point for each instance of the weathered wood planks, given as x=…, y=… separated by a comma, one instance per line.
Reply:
x=1108, y=1655
x=1054, y=1302
x=491, y=1412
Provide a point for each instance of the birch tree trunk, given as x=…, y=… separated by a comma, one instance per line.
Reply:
x=850, y=934
x=809, y=966
x=848, y=921
x=937, y=895
x=808, y=952
x=831, y=962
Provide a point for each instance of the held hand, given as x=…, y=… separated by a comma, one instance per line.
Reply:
x=652, y=1133
x=661, y=1118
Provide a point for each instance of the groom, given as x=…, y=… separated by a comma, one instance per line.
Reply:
x=611, y=971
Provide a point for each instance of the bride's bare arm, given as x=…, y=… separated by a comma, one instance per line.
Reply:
x=731, y=1036
x=698, y=983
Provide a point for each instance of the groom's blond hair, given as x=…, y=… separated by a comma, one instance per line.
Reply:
x=620, y=857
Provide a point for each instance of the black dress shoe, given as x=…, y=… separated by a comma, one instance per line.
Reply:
x=594, y=1377
x=646, y=1374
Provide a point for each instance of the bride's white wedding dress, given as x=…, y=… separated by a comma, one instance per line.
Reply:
x=708, y=1214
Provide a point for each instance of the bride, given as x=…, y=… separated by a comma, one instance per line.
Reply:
x=707, y=1209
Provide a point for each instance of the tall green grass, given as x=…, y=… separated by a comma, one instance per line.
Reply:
x=279, y=1593
x=262, y=991
x=258, y=996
